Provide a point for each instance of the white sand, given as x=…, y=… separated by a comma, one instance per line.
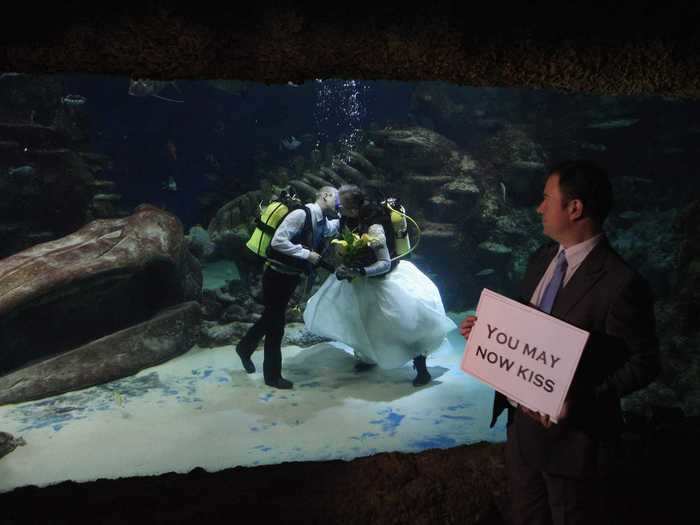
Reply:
x=202, y=409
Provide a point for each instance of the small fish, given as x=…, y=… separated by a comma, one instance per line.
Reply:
x=612, y=124
x=503, y=190
x=290, y=144
x=630, y=215
x=593, y=147
x=485, y=272
x=24, y=171
x=529, y=164
x=9, y=75
x=171, y=185
x=211, y=160
x=150, y=88
x=290, y=83
x=171, y=149
x=73, y=100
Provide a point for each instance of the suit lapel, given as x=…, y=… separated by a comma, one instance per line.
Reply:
x=591, y=270
x=536, y=270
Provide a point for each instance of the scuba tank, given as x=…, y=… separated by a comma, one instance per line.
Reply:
x=268, y=221
x=399, y=224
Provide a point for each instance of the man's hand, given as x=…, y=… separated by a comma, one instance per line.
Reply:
x=564, y=410
x=314, y=258
x=466, y=326
x=543, y=419
x=344, y=272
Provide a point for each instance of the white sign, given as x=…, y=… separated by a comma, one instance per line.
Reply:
x=523, y=353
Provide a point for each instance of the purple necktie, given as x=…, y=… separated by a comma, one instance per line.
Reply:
x=550, y=293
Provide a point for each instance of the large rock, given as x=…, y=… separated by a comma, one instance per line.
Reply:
x=414, y=149
x=106, y=277
x=124, y=353
x=520, y=163
x=233, y=224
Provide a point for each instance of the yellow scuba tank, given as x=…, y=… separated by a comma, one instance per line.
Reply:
x=400, y=227
x=268, y=221
x=398, y=221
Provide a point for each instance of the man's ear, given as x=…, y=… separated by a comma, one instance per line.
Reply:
x=575, y=209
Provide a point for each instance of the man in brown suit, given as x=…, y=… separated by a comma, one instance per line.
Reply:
x=558, y=473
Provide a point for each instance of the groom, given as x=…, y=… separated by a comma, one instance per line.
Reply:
x=294, y=250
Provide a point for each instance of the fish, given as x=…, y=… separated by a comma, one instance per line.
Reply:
x=22, y=170
x=73, y=100
x=593, y=147
x=211, y=160
x=290, y=144
x=630, y=215
x=612, y=124
x=150, y=88
x=485, y=272
x=8, y=75
x=528, y=164
x=171, y=185
x=171, y=149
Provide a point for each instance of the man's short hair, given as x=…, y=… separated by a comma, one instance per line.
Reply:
x=588, y=182
x=325, y=189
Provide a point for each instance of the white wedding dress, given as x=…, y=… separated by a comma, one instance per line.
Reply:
x=386, y=320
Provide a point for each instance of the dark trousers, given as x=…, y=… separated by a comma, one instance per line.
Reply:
x=539, y=498
x=277, y=291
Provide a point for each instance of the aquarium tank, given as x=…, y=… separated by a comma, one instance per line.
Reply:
x=126, y=283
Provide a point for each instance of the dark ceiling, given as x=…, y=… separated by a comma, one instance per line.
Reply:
x=625, y=48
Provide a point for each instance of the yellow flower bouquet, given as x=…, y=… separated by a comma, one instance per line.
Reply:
x=351, y=246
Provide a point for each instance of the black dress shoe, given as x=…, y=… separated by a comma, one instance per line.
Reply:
x=423, y=376
x=245, y=359
x=280, y=382
x=361, y=366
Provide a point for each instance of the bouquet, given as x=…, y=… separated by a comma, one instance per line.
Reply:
x=351, y=247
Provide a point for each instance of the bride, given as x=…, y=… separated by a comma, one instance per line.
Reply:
x=384, y=308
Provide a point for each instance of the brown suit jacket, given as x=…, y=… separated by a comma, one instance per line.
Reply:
x=614, y=303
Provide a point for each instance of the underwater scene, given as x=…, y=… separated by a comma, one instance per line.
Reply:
x=142, y=331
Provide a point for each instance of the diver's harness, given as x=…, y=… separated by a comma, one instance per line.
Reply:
x=267, y=222
x=399, y=223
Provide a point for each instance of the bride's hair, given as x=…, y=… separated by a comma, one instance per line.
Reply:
x=354, y=194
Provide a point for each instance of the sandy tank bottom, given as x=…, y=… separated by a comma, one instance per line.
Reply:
x=202, y=410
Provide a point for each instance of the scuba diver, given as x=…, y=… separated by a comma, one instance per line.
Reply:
x=290, y=248
x=383, y=307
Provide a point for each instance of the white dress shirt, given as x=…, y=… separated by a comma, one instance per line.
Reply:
x=575, y=255
x=293, y=223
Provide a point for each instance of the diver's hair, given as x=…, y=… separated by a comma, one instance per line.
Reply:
x=325, y=189
x=372, y=212
x=588, y=182
x=354, y=194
